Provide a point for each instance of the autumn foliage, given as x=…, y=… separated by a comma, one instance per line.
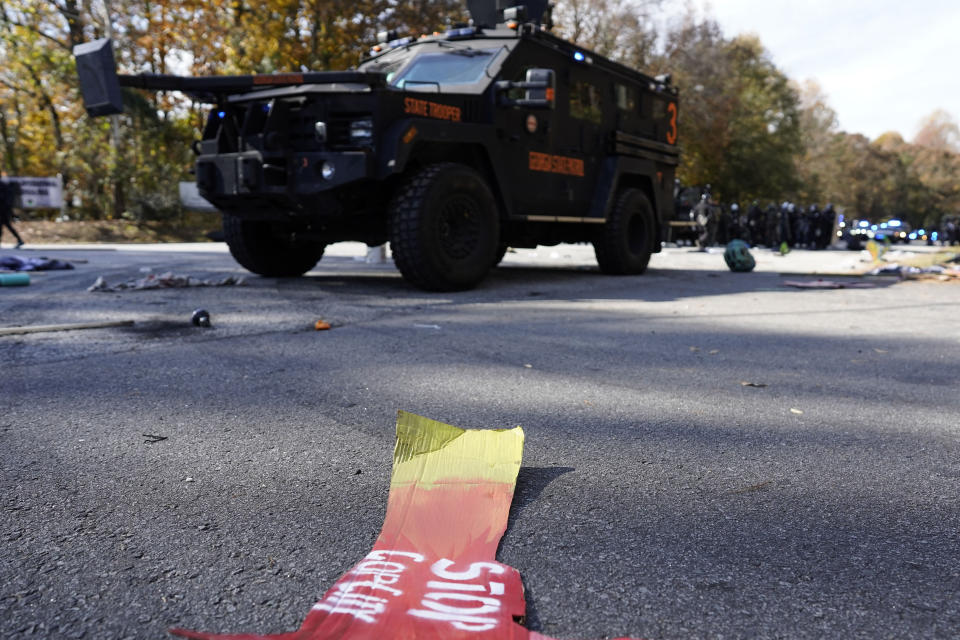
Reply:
x=752, y=133
x=745, y=127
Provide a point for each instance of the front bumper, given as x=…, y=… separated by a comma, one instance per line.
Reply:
x=234, y=178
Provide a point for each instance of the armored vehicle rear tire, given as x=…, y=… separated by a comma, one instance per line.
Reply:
x=264, y=249
x=624, y=245
x=444, y=228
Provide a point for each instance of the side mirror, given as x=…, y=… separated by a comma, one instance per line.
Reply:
x=99, y=84
x=541, y=85
x=539, y=90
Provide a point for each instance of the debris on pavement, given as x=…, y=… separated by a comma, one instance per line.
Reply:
x=14, y=279
x=875, y=250
x=796, y=411
x=936, y=271
x=827, y=284
x=911, y=265
x=7, y=331
x=738, y=257
x=168, y=280
x=891, y=269
x=13, y=263
x=321, y=325
x=753, y=384
x=452, y=585
x=153, y=439
x=201, y=318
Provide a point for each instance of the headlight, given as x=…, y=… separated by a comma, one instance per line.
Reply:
x=361, y=131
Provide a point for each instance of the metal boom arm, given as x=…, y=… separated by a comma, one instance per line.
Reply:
x=100, y=84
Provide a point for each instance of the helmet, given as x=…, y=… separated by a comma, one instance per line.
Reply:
x=737, y=256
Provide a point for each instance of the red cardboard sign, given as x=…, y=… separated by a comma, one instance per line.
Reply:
x=432, y=573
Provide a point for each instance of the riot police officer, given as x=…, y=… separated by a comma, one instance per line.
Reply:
x=736, y=223
x=814, y=227
x=755, y=224
x=706, y=219
x=771, y=218
x=828, y=219
x=785, y=232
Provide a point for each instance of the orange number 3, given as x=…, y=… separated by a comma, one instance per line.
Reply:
x=672, y=134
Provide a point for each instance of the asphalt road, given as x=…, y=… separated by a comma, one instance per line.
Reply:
x=660, y=497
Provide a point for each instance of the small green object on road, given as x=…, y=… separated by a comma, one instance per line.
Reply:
x=14, y=279
x=737, y=256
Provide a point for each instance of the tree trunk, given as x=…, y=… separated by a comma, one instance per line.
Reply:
x=71, y=13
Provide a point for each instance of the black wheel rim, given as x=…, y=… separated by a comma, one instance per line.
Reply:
x=460, y=226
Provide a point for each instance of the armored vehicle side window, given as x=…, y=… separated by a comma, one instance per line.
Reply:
x=457, y=67
x=585, y=103
x=626, y=97
x=659, y=109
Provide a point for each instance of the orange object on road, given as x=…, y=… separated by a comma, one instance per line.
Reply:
x=321, y=325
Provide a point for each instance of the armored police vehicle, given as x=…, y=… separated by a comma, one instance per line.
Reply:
x=451, y=146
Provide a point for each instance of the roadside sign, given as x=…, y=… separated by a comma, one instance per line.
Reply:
x=39, y=193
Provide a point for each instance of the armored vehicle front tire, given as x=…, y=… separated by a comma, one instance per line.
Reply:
x=444, y=228
x=267, y=249
x=624, y=244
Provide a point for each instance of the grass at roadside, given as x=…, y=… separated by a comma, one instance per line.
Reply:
x=193, y=227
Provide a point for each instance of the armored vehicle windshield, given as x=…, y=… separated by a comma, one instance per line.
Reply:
x=454, y=67
x=440, y=65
